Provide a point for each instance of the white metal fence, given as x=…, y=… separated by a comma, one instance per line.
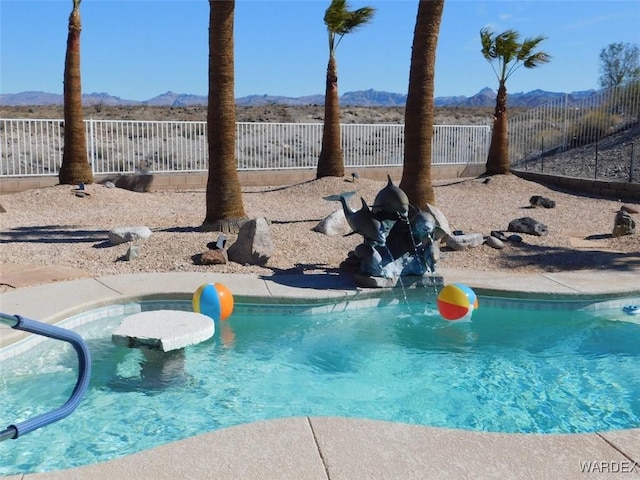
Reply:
x=34, y=147
x=590, y=137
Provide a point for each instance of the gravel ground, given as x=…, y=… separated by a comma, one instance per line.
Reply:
x=52, y=226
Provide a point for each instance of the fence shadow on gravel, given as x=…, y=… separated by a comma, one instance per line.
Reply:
x=52, y=234
x=557, y=259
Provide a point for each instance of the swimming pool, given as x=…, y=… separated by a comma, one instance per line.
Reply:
x=517, y=366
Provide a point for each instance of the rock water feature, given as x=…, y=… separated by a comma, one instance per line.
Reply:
x=399, y=241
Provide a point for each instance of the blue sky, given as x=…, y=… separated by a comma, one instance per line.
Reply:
x=138, y=49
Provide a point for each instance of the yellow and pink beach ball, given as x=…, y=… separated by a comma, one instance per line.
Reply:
x=457, y=301
x=214, y=300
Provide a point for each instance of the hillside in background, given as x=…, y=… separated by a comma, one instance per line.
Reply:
x=363, y=98
x=270, y=113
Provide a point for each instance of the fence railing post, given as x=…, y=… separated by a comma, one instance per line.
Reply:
x=565, y=121
x=631, y=164
x=92, y=145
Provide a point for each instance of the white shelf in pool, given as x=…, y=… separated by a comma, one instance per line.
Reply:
x=163, y=330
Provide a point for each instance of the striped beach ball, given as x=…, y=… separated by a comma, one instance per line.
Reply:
x=214, y=300
x=457, y=301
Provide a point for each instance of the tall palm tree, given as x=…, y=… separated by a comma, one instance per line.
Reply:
x=225, y=210
x=419, y=115
x=75, y=166
x=510, y=54
x=339, y=21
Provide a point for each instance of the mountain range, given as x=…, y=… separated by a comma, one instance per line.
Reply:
x=363, y=98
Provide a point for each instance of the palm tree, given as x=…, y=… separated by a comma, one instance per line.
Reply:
x=225, y=210
x=339, y=21
x=418, y=116
x=510, y=55
x=75, y=166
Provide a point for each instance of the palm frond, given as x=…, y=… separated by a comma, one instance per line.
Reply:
x=340, y=21
x=357, y=18
x=528, y=46
x=510, y=53
x=536, y=59
x=488, y=45
x=336, y=15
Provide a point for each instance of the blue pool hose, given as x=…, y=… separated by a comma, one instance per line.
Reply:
x=84, y=373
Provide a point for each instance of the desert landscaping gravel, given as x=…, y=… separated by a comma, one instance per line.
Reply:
x=53, y=226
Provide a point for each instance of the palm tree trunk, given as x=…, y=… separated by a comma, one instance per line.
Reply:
x=75, y=166
x=419, y=111
x=331, y=163
x=498, y=158
x=225, y=210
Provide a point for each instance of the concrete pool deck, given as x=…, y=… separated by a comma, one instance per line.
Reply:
x=339, y=448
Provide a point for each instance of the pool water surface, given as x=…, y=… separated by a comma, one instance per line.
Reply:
x=525, y=370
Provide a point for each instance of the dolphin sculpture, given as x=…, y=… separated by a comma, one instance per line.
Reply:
x=361, y=221
x=391, y=202
x=405, y=237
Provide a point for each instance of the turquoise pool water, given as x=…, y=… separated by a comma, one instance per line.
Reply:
x=515, y=367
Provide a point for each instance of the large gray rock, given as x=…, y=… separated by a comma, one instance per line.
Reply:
x=138, y=182
x=494, y=242
x=128, y=234
x=254, y=245
x=334, y=224
x=441, y=220
x=623, y=224
x=462, y=242
x=528, y=225
x=538, y=201
x=132, y=253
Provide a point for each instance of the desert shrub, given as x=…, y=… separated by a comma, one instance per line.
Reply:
x=99, y=105
x=548, y=138
x=624, y=101
x=591, y=127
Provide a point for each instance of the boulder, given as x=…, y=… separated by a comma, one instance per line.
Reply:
x=515, y=238
x=441, y=220
x=214, y=257
x=623, y=224
x=334, y=224
x=138, y=182
x=462, y=242
x=254, y=245
x=499, y=235
x=128, y=234
x=538, y=201
x=528, y=225
x=133, y=252
x=494, y=242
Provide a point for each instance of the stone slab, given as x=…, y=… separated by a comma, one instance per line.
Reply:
x=16, y=275
x=163, y=330
x=380, y=450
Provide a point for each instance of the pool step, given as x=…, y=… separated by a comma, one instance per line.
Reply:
x=163, y=330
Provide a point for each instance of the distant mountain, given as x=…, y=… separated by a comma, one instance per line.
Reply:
x=373, y=98
x=256, y=100
x=363, y=98
x=176, y=100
